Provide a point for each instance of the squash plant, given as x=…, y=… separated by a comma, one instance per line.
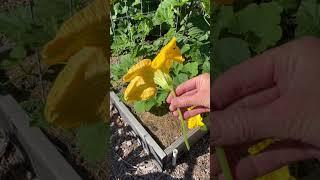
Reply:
x=140, y=28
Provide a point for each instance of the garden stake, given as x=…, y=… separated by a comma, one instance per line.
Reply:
x=174, y=157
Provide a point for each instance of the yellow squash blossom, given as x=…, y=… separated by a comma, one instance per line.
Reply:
x=195, y=121
x=141, y=75
x=88, y=27
x=80, y=91
x=280, y=174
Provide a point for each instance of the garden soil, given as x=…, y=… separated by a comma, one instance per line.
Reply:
x=130, y=161
x=165, y=128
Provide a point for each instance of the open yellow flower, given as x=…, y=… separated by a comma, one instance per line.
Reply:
x=88, y=27
x=80, y=91
x=141, y=75
x=195, y=121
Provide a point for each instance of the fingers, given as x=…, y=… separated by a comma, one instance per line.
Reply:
x=187, y=86
x=190, y=113
x=263, y=163
x=249, y=77
x=189, y=93
x=185, y=101
x=195, y=111
x=259, y=99
x=239, y=125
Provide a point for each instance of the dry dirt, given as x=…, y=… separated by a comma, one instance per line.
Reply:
x=130, y=161
x=165, y=128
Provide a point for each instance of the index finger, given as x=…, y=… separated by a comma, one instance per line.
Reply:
x=188, y=85
x=249, y=77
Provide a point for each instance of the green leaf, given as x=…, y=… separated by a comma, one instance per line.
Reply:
x=263, y=20
x=185, y=48
x=224, y=16
x=191, y=68
x=180, y=78
x=308, y=19
x=161, y=97
x=288, y=4
x=206, y=67
x=224, y=59
x=206, y=5
x=150, y=103
x=93, y=141
x=164, y=13
x=177, y=67
x=18, y=52
x=136, y=2
x=139, y=106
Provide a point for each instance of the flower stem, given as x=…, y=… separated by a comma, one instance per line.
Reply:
x=183, y=125
x=223, y=163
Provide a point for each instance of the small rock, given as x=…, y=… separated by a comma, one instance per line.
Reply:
x=119, y=122
x=120, y=131
x=138, y=142
x=129, y=143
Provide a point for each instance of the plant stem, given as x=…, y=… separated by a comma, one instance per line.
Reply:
x=183, y=125
x=223, y=163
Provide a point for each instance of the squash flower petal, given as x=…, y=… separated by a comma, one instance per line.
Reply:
x=282, y=173
x=70, y=102
x=85, y=28
x=143, y=67
x=140, y=89
x=141, y=76
x=169, y=53
x=195, y=121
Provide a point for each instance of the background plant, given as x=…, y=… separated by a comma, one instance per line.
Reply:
x=140, y=28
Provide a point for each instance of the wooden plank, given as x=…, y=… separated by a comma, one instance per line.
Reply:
x=125, y=113
x=48, y=163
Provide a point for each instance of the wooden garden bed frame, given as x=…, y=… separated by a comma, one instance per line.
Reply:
x=46, y=161
x=163, y=156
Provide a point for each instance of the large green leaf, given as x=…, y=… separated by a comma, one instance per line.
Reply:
x=263, y=20
x=93, y=141
x=308, y=19
x=230, y=52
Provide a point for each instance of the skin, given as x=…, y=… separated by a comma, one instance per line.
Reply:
x=194, y=92
x=275, y=94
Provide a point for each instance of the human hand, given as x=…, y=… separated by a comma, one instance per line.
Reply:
x=194, y=92
x=277, y=95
